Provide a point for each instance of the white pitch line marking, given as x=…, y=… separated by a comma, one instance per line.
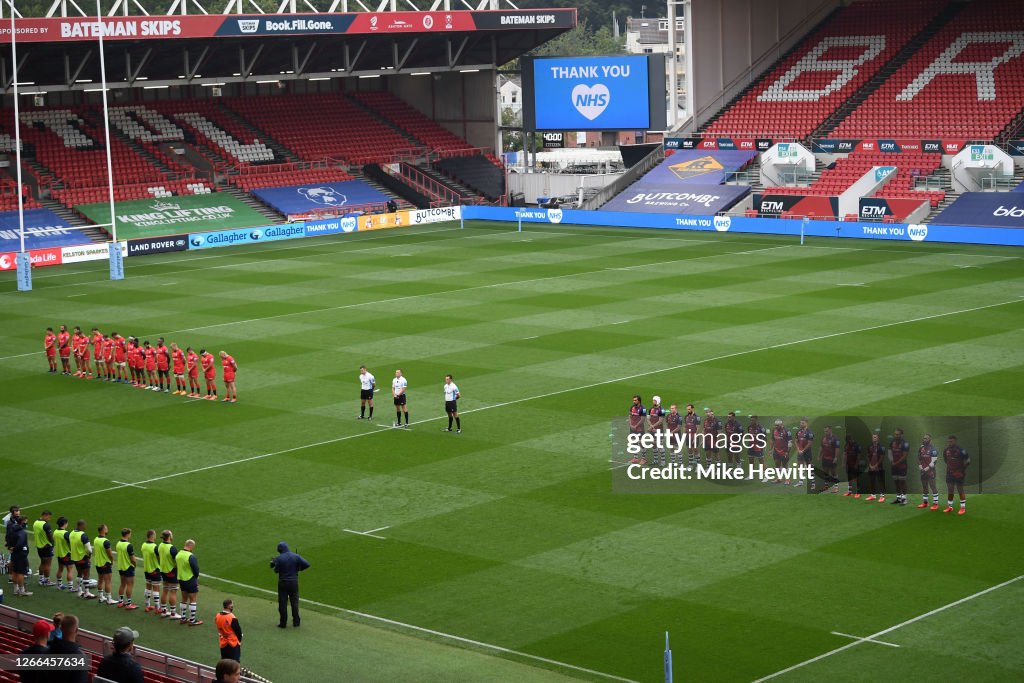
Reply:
x=516, y=401
x=883, y=632
x=967, y=266
x=950, y=381
x=851, y=284
x=533, y=337
x=621, y=322
x=168, y=284
x=136, y=486
x=866, y=640
x=72, y=296
x=438, y=634
x=364, y=533
x=373, y=531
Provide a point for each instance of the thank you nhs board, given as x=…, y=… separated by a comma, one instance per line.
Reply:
x=594, y=93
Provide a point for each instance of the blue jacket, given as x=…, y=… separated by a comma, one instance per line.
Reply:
x=288, y=564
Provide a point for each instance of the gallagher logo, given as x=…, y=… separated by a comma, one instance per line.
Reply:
x=255, y=235
x=196, y=242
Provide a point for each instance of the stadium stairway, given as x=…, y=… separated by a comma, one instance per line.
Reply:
x=282, y=153
x=75, y=220
x=374, y=175
x=948, y=13
x=256, y=205
x=452, y=184
x=413, y=142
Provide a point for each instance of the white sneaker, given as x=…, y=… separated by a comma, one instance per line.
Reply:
x=88, y=596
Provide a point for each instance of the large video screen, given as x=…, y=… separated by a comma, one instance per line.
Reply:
x=590, y=93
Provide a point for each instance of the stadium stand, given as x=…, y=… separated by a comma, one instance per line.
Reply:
x=826, y=69
x=323, y=126
x=415, y=124
x=966, y=83
x=203, y=119
x=375, y=173
x=252, y=177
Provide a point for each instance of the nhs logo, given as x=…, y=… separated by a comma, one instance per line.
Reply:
x=723, y=223
x=591, y=101
x=917, y=233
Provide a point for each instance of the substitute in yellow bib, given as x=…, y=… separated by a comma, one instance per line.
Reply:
x=42, y=533
x=124, y=554
x=151, y=570
x=188, y=578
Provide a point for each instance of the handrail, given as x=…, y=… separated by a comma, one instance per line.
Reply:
x=421, y=181
x=653, y=158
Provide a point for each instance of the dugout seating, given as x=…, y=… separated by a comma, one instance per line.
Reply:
x=478, y=172
x=775, y=107
x=836, y=180
x=959, y=106
x=324, y=126
x=415, y=123
x=282, y=175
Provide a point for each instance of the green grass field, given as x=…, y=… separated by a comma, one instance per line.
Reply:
x=502, y=552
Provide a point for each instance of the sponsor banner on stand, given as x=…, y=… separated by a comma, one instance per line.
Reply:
x=383, y=221
x=677, y=198
x=156, y=245
x=88, y=252
x=297, y=200
x=893, y=146
x=439, y=215
x=692, y=166
x=877, y=208
x=227, y=238
x=774, y=205
x=51, y=256
x=64, y=29
x=176, y=215
x=332, y=226
x=43, y=228
x=991, y=209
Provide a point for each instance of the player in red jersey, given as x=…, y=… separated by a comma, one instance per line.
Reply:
x=852, y=452
x=163, y=364
x=76, y=349
x=64, y=349
x=956, y=460
x=131, y=351
x=210, y=372
x=50, y=346
x=926, y=457
x=230, y=368
x=876, y=453
x=829, y=455
x=139, y=361
x=782, y=442
x=97, y=352
x=108, y=357
x=120, y=357
x=85, y=354
x=192, y=366
x=899, y=451
x=149, y=353
x=178, y=367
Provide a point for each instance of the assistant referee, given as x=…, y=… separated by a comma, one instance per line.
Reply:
x=451, y=406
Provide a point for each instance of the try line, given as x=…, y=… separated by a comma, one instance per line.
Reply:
x=883, y=632
x=712, y=359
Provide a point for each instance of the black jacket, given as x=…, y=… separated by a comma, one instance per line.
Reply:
x=288, y=564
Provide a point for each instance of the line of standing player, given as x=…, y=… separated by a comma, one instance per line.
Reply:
x=126, y=360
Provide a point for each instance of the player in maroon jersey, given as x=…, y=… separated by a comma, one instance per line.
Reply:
x=734, y=434
x=712, y=426
x=804, y=447
x=899, y=450
x=691, y=422
x=926, y=457
x=851, y=450
x=656, y=425
x=674, y=427
x=956, y=460
x=782, y=442
x=876, y=454
x=636, y=424
x=829, y=454
x=755, y=452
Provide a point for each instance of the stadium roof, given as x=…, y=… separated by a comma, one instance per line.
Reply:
x=62, y=53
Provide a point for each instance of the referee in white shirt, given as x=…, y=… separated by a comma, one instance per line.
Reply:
x=451, y=406
x=367, y=384
x=398, y=387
